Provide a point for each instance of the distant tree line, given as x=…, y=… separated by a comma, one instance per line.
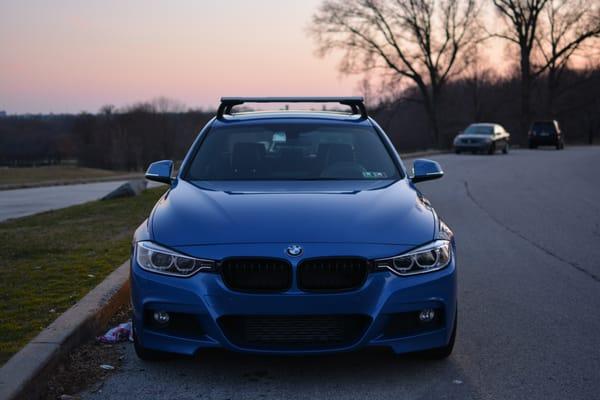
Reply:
x=485, y=97
x=36, y=139
x=132, y=137
x=123, y=139
x=427, y=49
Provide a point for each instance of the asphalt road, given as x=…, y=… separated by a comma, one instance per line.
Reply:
x=21, y=202
x=528, y=232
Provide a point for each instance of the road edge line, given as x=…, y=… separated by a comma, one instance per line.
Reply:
x=24, y=375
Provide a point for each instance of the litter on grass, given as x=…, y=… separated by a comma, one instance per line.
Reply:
x=107, y=367
x=119, y=333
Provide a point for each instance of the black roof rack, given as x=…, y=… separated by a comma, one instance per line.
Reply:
x=357, y=103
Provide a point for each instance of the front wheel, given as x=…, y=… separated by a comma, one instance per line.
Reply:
x=492, y=148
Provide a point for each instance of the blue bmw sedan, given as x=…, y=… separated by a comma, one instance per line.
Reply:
x=293, y=232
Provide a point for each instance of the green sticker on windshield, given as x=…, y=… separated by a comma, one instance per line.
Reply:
x=374, y=174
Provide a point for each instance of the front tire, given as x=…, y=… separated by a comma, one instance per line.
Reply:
x=146, y=354
x=506, y=148
x=492, y=148
x=443, y=352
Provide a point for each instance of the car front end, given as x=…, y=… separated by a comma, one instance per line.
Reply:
x=472, y=143
x=478, y=137
x=294, y=266
x=259, y=298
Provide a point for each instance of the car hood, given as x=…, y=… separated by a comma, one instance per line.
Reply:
x=381, y=212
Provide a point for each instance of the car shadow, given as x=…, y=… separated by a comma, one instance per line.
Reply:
x=343, y=375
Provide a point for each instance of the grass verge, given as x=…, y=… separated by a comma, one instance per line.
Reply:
x=49, y=261
x=54, y=173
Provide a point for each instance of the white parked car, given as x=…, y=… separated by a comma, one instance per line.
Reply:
x=482, y=137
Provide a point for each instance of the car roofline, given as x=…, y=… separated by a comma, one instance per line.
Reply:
x=356, y=103
x=297, y=115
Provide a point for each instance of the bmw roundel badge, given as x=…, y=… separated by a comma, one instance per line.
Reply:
x=294, y=250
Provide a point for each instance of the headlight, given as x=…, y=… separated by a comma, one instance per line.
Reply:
x=431, y=257
x=155, y=258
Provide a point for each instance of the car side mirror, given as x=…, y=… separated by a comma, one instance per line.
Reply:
x=426, y=170
x=160, y=171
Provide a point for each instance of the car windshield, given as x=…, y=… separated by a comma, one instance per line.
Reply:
x=479, y=130
x=542, y=127
x=298, y=151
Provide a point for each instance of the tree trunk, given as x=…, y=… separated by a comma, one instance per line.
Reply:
x=432, y=115
x=525, y=119
x=552, y=86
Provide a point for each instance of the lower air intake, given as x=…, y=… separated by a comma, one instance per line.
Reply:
x=294, y=332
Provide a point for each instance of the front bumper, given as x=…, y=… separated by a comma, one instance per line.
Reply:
x=539, y=140
x=481, y=146
x=203, y=300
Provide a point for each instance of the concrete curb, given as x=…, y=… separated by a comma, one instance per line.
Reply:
x=23, y=376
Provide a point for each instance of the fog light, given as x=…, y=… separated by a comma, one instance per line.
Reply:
x=162, y=317
x=427, y=315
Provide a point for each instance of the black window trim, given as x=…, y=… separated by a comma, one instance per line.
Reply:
x=402, y=174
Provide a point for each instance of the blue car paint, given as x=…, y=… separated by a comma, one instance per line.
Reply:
x=216, y=220
x=267, y=212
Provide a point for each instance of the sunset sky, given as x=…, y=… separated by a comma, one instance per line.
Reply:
x=70, y=56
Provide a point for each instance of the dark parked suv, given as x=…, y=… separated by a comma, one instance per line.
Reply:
x=546, y=133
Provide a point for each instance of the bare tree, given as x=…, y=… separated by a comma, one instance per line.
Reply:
x=555, y=36
x=423, y=41
x=567, y=26
x=477, y=78
x=522, y=19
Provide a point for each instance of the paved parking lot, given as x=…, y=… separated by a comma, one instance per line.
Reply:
x=528, y=232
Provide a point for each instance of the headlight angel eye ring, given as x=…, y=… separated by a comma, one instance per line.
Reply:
x=428, y=258
x=155, y=258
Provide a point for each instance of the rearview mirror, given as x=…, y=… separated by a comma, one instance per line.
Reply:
x=426, y=170
x=160, y=171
